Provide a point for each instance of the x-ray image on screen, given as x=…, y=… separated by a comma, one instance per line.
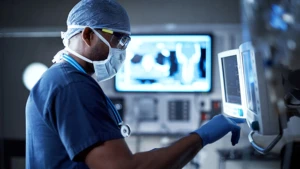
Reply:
x=231, y=80
x=166, y=63
x=249, y=81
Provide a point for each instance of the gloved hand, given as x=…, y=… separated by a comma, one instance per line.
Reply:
x=218, y=127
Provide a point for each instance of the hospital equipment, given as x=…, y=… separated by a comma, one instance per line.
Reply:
x=273, y=28
x=232, y=83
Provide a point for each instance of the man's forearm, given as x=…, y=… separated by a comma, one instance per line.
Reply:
x=189, y=153
x=115, y=154
x=174, y=156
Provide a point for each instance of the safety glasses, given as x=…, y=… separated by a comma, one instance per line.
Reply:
x=118, y=40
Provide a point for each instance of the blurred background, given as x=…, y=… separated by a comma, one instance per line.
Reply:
x=30, y=37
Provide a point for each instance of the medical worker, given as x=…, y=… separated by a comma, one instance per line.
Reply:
x=72, y=124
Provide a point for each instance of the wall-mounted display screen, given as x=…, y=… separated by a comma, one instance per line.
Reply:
x=166, y=63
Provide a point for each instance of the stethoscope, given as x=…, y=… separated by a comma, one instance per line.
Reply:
x=124, y=128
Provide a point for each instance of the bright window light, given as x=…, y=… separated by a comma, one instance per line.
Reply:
x=33, y=73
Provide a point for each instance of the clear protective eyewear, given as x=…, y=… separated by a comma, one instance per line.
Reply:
x=118, y=40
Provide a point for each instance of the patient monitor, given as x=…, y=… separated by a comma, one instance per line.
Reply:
x=261, y=116
x=271, y=66
x=245, y=93
x=232, y=84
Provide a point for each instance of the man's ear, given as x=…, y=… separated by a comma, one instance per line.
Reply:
x=87, y=35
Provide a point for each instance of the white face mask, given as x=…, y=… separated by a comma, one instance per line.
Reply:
x=108, y=68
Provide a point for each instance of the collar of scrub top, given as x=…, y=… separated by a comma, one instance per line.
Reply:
x=110, y=104
x=73, y=62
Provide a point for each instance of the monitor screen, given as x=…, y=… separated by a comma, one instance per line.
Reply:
x=166, y=63
x=249, y=81
x=232, y=84
x=231, y=80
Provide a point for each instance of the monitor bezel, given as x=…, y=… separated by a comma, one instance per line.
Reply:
x=229, y=108
x=210, y=35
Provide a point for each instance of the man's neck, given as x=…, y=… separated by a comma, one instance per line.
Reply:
x=85, y=65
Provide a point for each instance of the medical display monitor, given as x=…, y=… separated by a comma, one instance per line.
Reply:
x=232, y=83
x=167, y=63
x=260, y=114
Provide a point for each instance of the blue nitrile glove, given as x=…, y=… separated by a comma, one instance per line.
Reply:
x=218, y=127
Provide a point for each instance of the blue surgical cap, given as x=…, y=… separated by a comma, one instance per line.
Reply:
x=97, y=14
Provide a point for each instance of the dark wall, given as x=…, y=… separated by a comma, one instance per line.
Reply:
x=42, y=13
x=34, y=13
x=1, y=107
x=18, y=54
x=142, y=12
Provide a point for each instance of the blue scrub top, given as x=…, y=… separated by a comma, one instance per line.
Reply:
x=66, y=113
